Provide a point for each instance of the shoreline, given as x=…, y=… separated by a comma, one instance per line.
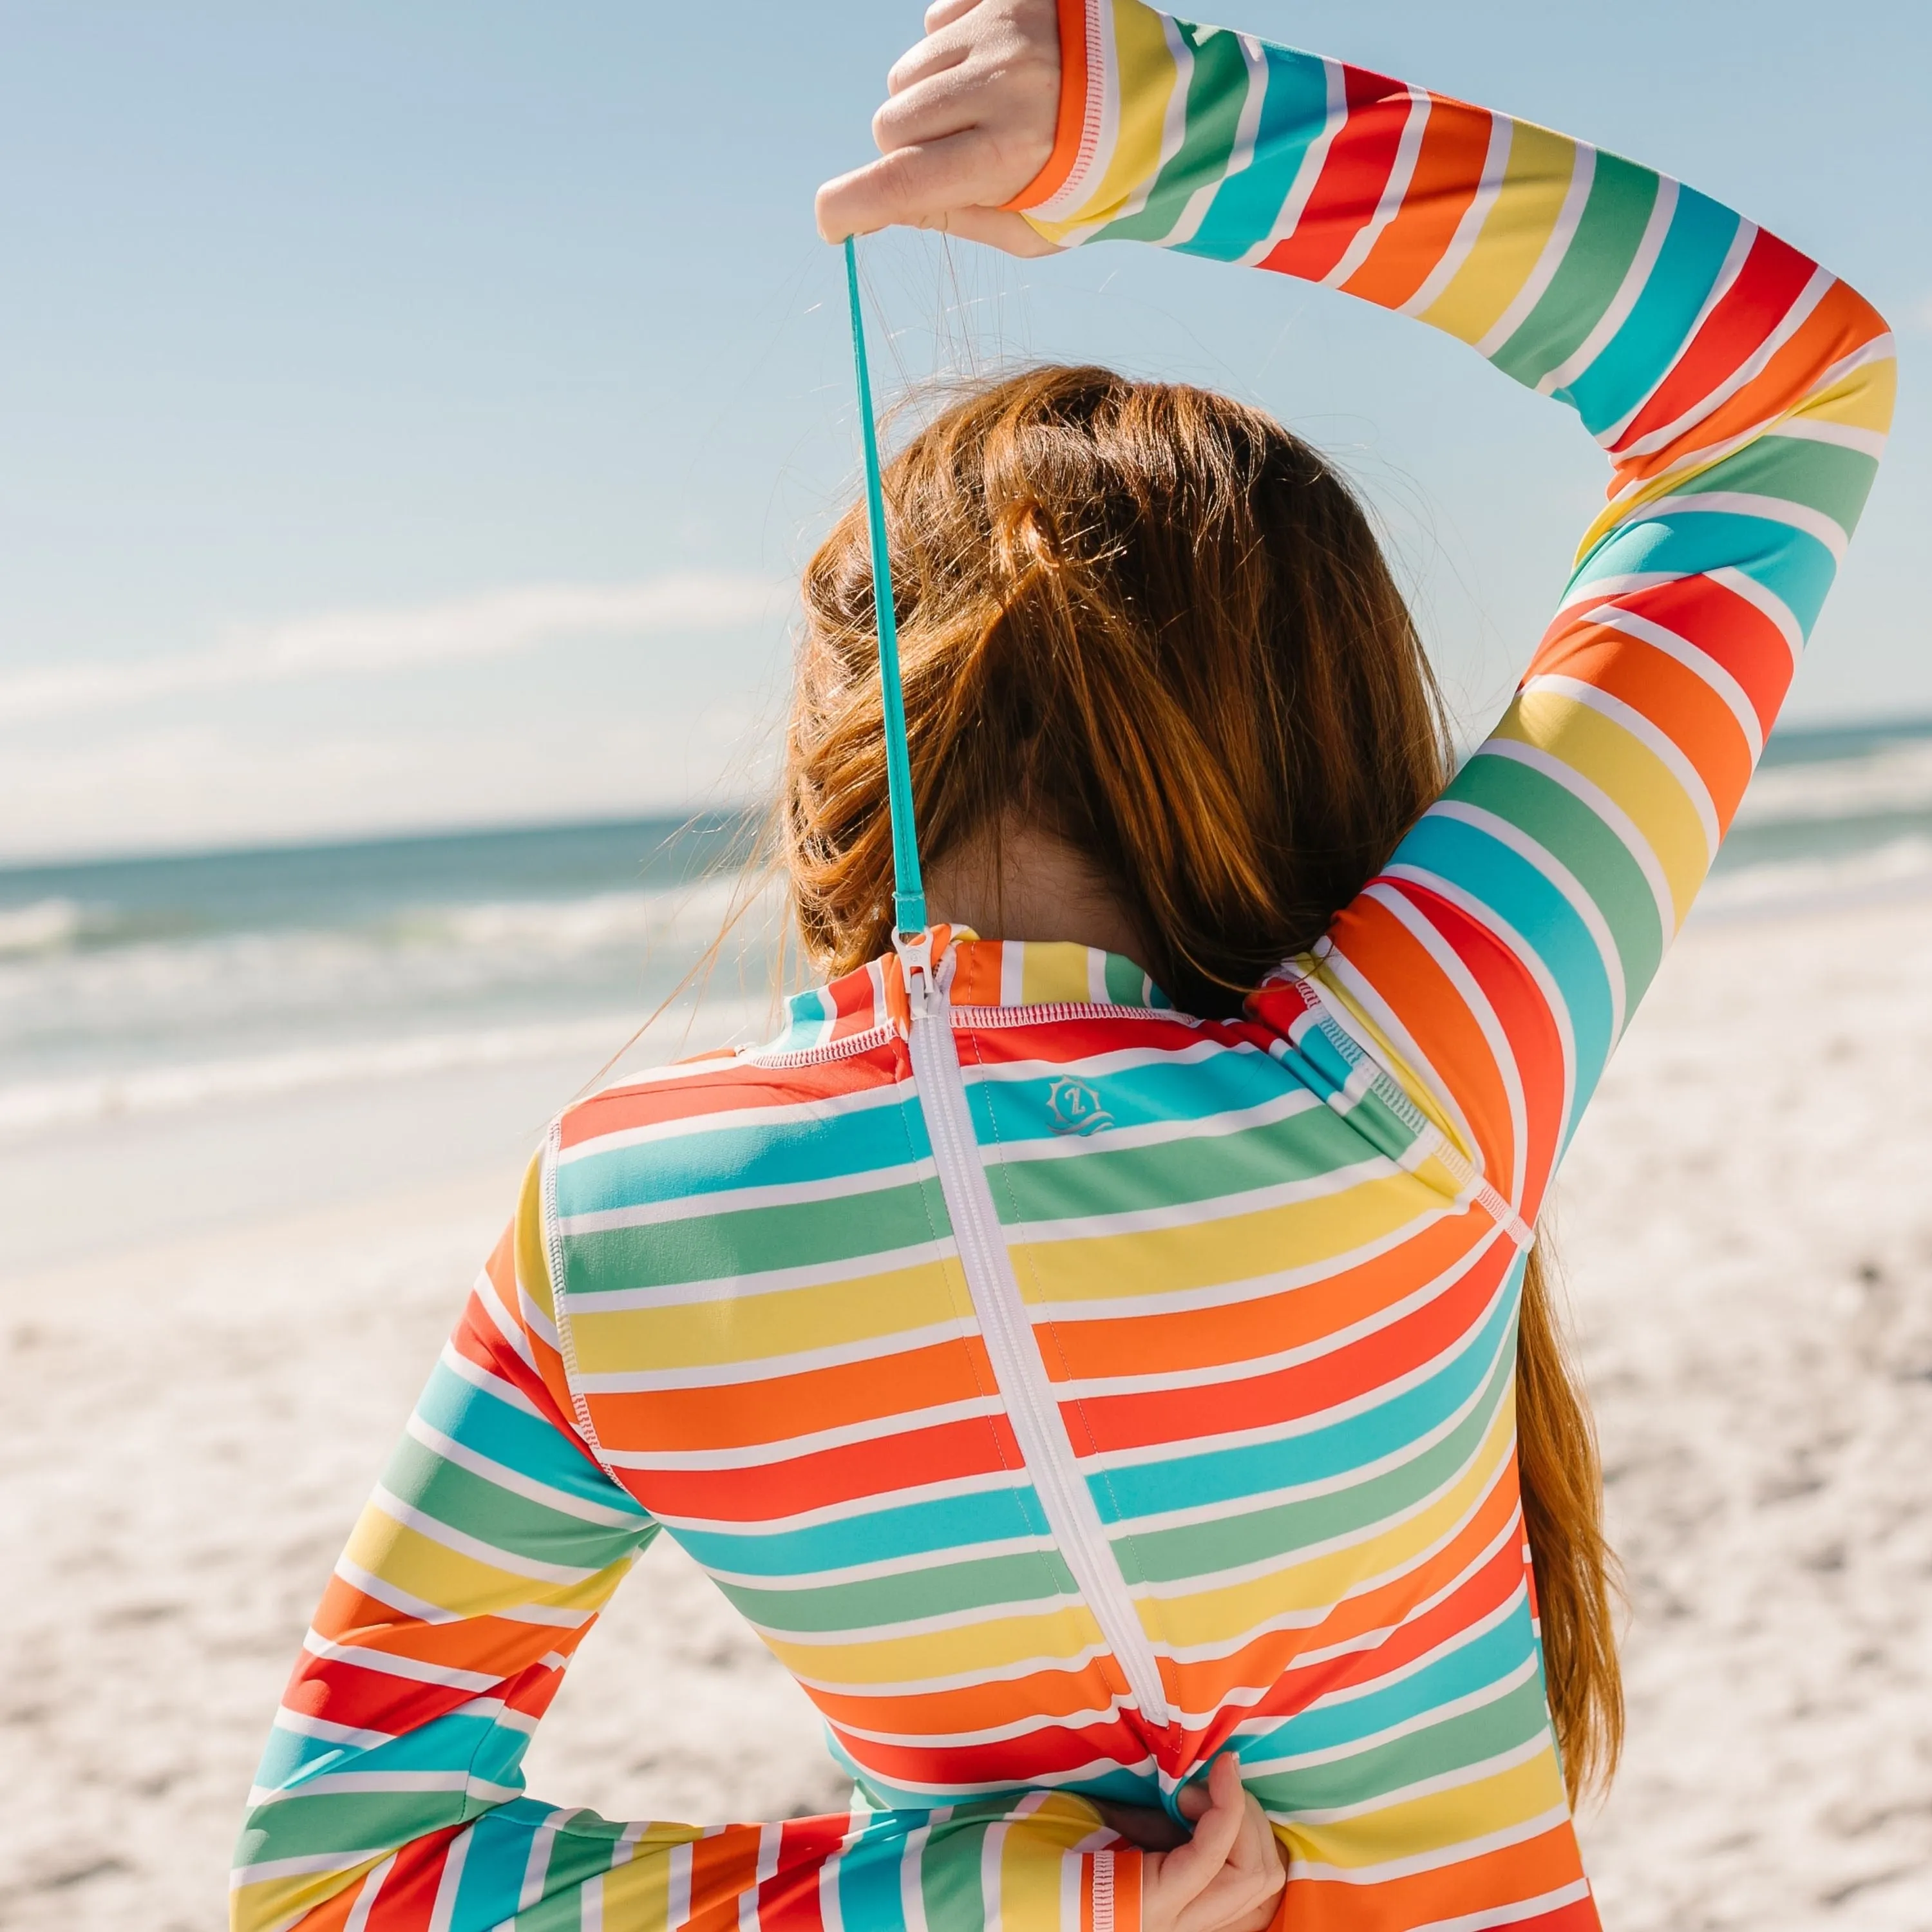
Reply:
x=212, y=1323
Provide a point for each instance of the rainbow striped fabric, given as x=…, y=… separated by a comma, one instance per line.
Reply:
x=1270, y=1266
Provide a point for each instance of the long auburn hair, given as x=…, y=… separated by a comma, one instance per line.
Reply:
x=1149, y=620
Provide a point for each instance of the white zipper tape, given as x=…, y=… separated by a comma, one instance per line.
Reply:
x=1031, y=1405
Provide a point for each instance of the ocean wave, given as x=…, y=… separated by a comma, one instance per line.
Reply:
x=1900, y=866
x=41, y=925
x=30, y=1106
x=1896, y=779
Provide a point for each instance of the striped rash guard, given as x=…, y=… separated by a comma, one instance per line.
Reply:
x=1113, y=1388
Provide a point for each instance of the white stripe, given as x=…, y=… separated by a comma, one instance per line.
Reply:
x=677, y=1887
x=815, y=1113
x=450, y=1883
x=1375, y=1167
x=358, y=1920
x=1552, y=868
x=1572, y=1893
x=1517, y=944
x=1816, y=429
x=1274, y=1434
x=757, y=1455
x=748, y=1371
x=1753, y=365
x=725, y=1199
x=478, y=1377
x=919, y=1562
x=1476, y=1003
x=1285, y=1106
x=1745, y=503
x=1728, y=270
x=1294, y=204
x=1528, y=1752
x=1241, y=156
x=1583, y=172
x=1246, y=1367
x=1695, y=659
x=304, y=1867
x=768, y=1281
x=1462, y=1850
x=1588, y=794
x=1408, y=1727
x=1469, y=229
x=1400, y=175
x=302, y=1725
x=1651, y=735
x=504, y=1477
x=568, y=1575
x=1636, y=277
x=325, y=1783
x=388, y=1664
x=858, y=1506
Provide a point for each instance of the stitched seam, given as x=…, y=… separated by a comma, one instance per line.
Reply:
x=559, y=1294
x=815, y=1056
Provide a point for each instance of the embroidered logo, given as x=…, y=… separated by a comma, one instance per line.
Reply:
x=1076, y=1108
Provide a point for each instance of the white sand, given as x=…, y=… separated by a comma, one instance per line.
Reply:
x=188, y=1426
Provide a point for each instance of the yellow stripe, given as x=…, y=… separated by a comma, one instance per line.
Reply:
x=638, y=1894
x=756, y=1327
x=532, y=1260
x=1053, y=970
x=279, y=1901
x=1639, y=781
x=464, y=1586
x=999, y=1642
x=1863, y=399
x=1536, y=182
x=1434, y=1823
x=1145, y=79
x=1208, y=1254
x=1231, y=1611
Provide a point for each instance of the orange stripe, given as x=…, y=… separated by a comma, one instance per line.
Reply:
x=1448, y=172
x=1071, y=122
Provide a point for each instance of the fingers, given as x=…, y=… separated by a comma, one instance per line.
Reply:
x=1190, y=1870
x=943, y=12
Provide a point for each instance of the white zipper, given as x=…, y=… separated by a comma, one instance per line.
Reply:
x=1030, y=1403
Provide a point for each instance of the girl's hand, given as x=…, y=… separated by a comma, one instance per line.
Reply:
x=1229, y=1876
x=970, y=121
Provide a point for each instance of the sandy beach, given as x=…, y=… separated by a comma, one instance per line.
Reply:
x=212, y=1323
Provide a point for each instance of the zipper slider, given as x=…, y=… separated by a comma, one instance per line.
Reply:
x=915, y=954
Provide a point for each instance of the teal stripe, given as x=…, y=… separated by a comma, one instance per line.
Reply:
x=1216, y=91
x=1594, y=265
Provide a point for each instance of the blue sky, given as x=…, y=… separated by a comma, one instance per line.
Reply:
x=411, y=416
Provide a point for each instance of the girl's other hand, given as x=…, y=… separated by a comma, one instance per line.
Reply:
x=968, y=122
x=1229, y=1876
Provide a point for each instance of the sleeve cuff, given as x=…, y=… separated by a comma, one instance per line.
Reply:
x=1109, y=1892
x=1082, y=100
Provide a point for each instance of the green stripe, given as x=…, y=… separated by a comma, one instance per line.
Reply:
x=500, y=1517
x=1216, y=91
x=1822, y=476
x=981, y=1583
x=1456, y=1743
x=1305, y=1146
x=1204, y=1550
x=1566, y=828
x=1598, y=258
x=754, y=1240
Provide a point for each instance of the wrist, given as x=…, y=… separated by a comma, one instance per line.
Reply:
x=1082, y=104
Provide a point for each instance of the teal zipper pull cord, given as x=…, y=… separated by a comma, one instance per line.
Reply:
x=908, y=889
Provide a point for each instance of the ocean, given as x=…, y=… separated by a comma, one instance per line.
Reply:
x=161, y=986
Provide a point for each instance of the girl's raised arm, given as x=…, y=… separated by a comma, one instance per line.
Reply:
x=1741, y=391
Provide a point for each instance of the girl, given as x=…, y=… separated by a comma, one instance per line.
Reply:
x=1099, y=1344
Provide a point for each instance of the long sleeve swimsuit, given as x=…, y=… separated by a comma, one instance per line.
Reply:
x=1183, y=1421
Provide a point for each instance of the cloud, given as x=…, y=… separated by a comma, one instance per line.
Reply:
x=373, y=641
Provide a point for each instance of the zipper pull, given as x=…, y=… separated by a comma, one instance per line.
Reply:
x=915, y=952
